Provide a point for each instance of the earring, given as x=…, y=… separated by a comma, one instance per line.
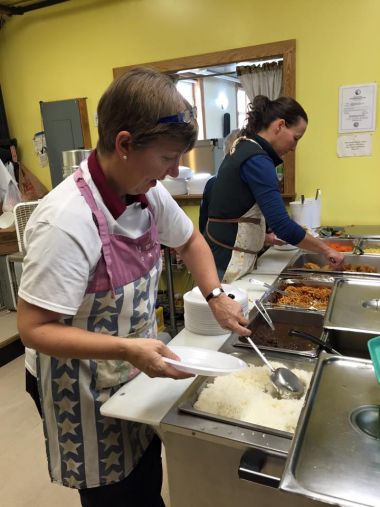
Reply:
x=125, y=157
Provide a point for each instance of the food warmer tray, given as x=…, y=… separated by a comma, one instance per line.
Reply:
x=276, y=437
x=349, y=243
x=353, y=297
x=296, y=264
x=310, y=279
x=359, y=246
x=279, y=339
x=362, y=231
x=365, y=243
x=187, y=407
x=334, y=457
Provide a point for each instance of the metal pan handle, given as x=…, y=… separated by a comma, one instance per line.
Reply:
x=250, y=469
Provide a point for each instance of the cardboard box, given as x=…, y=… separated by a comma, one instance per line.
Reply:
x=160, y=319
x=8, y=241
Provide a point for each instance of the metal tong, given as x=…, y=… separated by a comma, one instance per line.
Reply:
x=267, y=286
x=261, y=309
x=358, y=248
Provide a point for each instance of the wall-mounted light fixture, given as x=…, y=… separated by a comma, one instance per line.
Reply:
x=222, y=101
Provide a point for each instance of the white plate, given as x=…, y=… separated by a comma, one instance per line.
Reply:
x=205, y=362
x=287, y=246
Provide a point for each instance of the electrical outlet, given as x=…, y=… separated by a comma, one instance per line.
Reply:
x=96, y=119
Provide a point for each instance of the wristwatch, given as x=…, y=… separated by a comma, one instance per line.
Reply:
x=214, y=293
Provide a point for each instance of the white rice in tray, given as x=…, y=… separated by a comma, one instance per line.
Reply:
x=248, y=396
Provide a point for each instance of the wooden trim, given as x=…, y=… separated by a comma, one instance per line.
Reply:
x=284, y=49
x=82, y=104
x=202, y=90
x=236, y=104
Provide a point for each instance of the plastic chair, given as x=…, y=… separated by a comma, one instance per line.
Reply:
x=22, y=213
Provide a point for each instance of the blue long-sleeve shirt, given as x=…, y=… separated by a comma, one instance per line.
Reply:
x=260, y=175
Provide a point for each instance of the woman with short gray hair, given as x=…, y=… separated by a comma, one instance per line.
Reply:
x=89, y=285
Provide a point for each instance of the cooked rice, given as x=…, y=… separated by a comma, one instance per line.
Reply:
x=248, y=396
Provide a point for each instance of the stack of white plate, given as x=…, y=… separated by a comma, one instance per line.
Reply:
x=197, y=183
x=199, y=318
x=185, y=172
x=175, y=186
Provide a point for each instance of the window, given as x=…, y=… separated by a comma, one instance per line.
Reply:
x=242, y=107
x=191, y=90
x=186, y=88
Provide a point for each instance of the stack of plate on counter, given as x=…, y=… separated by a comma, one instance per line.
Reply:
x=178, y=186
x=199, y=318
x=175, y=186
x=197, y=183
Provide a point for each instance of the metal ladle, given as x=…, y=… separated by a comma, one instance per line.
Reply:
x=282, y=378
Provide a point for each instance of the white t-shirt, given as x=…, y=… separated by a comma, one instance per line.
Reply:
x=63, y=244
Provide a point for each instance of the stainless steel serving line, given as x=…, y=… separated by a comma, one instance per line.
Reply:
x=333, y=458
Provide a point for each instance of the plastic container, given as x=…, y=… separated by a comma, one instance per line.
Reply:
x=374, y=352
x=306, y=214
x=160, y=319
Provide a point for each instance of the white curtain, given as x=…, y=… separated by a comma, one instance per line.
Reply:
x=261, y=80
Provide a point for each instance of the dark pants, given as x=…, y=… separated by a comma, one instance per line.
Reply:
x=142, y=487
x=31, y=387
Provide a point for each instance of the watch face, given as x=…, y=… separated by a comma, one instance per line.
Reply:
x=215, y=293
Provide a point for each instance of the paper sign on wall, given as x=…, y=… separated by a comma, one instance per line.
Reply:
x=357, y=108
x=354, y=145
x=39, y=143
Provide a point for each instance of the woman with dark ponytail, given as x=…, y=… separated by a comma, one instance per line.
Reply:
x=246, y=198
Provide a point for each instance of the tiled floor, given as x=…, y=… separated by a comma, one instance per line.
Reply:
x=24, y=480
x=8, y=326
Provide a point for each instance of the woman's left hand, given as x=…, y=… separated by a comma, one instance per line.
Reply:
x=229, y=314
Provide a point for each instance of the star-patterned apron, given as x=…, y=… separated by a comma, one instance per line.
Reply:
x=85, y=449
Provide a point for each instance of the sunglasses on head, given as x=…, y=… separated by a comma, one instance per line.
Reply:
x=184, y=117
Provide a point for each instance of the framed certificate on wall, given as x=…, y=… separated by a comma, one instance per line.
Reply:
x=357, y=108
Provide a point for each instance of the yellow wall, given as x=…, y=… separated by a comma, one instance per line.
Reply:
x=69, y=50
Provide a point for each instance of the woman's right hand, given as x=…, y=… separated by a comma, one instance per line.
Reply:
x=146, y=354
x=335, y=258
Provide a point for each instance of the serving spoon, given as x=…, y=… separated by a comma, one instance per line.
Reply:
x=314, y=339
x=282, y=378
